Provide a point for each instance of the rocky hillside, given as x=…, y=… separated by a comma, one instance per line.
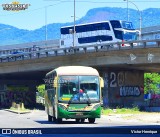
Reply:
x=150, y=17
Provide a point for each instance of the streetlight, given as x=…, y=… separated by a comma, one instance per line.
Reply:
x=74, y=29
x=46, y=24
x=127, y=11
x=140, y=17
x=46, y=29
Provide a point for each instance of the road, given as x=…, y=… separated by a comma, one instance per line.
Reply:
x=105, y=125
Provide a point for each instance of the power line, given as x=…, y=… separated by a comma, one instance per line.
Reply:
x=100, y=1
x=32, y=10
x=62, y=1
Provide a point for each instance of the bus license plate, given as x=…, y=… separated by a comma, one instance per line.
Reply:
x=79, y=114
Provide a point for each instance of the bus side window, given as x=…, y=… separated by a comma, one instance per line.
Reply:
x=46, y=82
x=62, y=42
x=49, y=81
x=115, y=24
x=118, y=34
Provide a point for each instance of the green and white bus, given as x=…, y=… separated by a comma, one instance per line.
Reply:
x=73, y=92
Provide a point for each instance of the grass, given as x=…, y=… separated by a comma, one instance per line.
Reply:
x=133, y=114
x=109, y=111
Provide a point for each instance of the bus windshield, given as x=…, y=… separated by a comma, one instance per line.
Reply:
x=79, y=89
x=127, y=25
x=125, y=35
x=129, y=36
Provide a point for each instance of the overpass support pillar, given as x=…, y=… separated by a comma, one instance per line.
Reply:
x=123, y=88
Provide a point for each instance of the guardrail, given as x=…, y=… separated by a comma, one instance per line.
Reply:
x=81, y=49
x=27, y=47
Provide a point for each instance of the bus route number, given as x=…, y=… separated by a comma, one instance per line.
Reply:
x=117, y=80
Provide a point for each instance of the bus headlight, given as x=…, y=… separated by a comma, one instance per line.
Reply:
x=96, y=106
x=62, y=107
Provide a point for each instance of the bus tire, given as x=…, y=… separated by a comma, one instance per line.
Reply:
x=49, y=118
x=59, y=120
x=91, y=120
x=77, y=120
x=54, y=119
x=82, y=120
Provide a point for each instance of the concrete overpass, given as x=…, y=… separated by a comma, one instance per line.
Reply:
x=131, y=57
x=121, y=67
x=150, y=33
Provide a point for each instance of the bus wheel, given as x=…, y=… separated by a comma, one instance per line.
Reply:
x=91, y=120
x=54, y=119
x=77, y=120
x=49, y=118
x=59, y=120
x=82, y=120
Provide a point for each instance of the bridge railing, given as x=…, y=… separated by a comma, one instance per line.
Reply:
x=52, y=51
x=28, y=47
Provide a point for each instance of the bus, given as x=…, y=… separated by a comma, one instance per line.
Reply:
x=73, y=92
x=98, y=32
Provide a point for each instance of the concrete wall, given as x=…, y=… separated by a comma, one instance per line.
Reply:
x=150, y=33
x=123, y=88
x=17, y=91
x=48, y=43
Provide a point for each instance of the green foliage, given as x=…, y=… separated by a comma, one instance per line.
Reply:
x=135, y=108
x=151, y=81
x=18, y=88
x=41, y=90
x=120, y=111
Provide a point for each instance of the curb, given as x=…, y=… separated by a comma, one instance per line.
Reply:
x=17, y=112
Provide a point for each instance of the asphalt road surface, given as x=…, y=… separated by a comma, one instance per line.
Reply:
x=36, y=123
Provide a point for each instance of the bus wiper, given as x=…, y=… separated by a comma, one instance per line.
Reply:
x=88, y=99
x=69, y=102
x=71, y=99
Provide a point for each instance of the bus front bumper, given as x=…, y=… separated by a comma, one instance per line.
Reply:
x=79, y=114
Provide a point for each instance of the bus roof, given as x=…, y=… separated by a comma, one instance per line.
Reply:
x=91, y=23
x=85, y=24
x=75, y=70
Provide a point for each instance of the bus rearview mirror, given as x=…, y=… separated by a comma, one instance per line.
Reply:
x=101, y=82
x=55, y=82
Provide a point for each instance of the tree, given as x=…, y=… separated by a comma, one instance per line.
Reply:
x=41, y=90
x=151, y=82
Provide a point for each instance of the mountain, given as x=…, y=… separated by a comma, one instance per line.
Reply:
x=150, y=17
x=12, y=35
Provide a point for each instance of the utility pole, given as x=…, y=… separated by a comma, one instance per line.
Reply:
x=46, y=31
x=74, y=29
x=140, y=17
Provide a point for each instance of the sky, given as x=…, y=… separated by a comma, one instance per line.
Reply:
x=42, y=12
